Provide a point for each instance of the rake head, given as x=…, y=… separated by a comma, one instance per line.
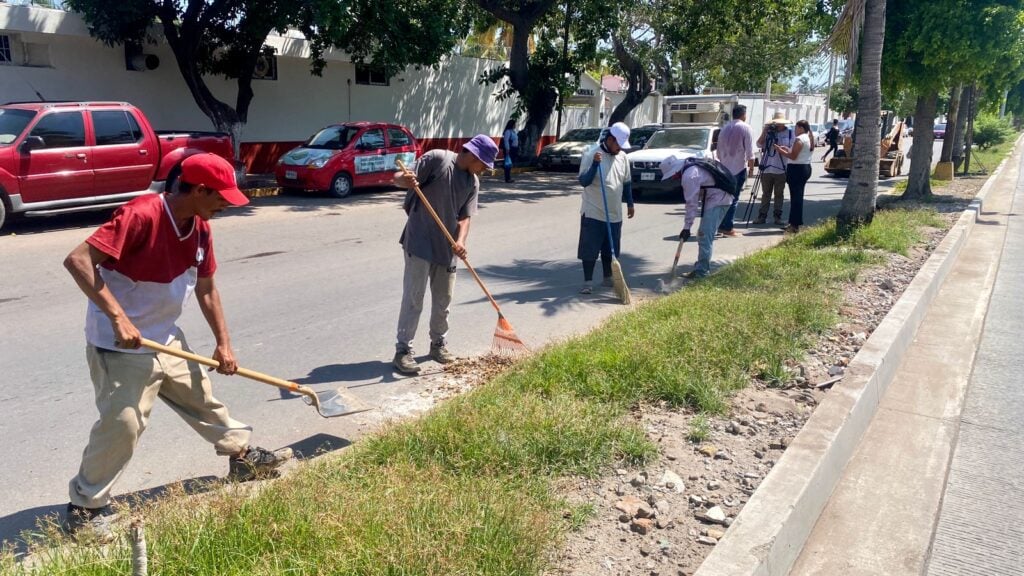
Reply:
x=506, y=342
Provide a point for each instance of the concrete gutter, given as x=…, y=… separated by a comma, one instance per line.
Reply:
x=770, y=531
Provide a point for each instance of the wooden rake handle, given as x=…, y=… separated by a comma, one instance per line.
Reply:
x=251, y=374
x=440, y=224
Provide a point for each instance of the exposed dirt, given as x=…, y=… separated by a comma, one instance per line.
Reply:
x=666, y=518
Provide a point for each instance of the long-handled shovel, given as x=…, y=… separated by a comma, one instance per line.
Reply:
x=667, y=282
x=329, y=404
x=505, y=342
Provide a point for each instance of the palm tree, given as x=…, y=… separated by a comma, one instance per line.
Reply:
x=861, y=30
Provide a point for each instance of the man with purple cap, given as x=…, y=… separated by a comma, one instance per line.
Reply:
x=138, y=271
x=451, y=184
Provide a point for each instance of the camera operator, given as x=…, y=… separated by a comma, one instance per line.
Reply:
x=773, y=167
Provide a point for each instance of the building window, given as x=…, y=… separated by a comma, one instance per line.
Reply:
x=371, y=76
x=6, y=57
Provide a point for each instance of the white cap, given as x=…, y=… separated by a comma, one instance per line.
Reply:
x=671, y=165
x=620, y=132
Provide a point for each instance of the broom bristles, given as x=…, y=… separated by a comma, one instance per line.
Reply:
x=619, y=283
x=506, y=342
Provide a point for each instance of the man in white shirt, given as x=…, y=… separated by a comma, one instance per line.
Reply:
x=736, y=152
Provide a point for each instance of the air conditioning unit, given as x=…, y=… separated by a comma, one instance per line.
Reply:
x=266, y=68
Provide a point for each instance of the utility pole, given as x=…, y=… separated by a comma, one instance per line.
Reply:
x=565, y=56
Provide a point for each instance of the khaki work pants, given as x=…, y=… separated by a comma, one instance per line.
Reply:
x=127, y=386
x=772, y=185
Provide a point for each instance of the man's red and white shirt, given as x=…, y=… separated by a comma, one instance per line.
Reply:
x=152, y=271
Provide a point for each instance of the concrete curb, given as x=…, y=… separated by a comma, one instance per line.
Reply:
x=769, y=533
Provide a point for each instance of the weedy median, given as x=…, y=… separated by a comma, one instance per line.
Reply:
x=469, y=488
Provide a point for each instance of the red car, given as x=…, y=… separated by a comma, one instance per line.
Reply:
x=70, y=156
x=342, y=157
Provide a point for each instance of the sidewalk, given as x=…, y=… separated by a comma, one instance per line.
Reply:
x=893, y=498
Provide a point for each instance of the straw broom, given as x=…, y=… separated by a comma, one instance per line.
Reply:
x=618, y=278
x=505, y=342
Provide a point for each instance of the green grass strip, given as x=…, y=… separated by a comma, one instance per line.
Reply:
x=469, y=488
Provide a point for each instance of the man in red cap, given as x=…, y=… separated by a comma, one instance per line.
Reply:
x=138, y=270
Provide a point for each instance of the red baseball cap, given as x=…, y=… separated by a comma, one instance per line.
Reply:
x=215, y=173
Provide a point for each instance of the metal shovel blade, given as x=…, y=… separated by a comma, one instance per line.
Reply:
x=331, y=404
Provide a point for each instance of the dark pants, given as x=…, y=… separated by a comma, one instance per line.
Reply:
x=727, y=223
x=512, y=153
x=797, y=176
x=831, y=148
x=594, y=241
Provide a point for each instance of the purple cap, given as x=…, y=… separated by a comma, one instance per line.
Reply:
x=484, y=148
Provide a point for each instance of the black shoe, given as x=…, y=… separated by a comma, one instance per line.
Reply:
x=257, y=463
x=89, y=524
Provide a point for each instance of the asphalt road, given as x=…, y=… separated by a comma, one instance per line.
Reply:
x=311, y=288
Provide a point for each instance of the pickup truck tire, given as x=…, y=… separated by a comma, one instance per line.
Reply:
x=3, y=209
x=341, y=185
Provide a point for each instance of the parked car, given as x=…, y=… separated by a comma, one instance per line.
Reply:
x=639, y=136
x=343, y=157
x=693, y=140
x=567, y=150
x=819, y=134
x=940, y=131
x=58, y=157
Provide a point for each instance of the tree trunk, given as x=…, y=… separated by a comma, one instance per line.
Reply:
x=638, y=79
x=858, y=206
x=972, y=112
x=951, y=123
x=957, y=153
x=919, y=183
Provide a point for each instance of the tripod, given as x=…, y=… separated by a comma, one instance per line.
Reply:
x=769, y=151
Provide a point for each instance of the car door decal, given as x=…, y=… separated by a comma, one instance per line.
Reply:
x=382, y=162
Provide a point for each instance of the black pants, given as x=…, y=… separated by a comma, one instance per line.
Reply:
x=512, y=153
x=831, y=148
x=797, y=176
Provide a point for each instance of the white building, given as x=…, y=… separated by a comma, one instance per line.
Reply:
x=50, y=53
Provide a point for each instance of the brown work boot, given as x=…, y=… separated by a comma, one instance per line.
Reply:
x=405, y=363
x=439, y=353
x=258, y=463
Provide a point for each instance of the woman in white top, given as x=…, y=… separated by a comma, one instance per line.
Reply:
x=798, y=172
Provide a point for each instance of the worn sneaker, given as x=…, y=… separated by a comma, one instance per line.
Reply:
x=587, y=288
x=760, y=220
x=607, y=283
x=405, y=363
x=439, y=353
x=257, y=463
x=792, y=229
x=693, y=274
x=89, y=524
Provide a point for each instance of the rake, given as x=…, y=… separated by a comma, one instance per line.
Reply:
x=505, y=342
x=329, y=404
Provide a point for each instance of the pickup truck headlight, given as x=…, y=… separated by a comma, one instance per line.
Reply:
x=318, y=163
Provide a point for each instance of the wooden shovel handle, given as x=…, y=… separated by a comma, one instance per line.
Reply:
x=444, y=229
x=251, y=374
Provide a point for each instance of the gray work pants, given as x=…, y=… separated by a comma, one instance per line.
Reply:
x=419, y=274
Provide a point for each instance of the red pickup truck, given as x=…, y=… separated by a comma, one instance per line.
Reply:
x=69, y=156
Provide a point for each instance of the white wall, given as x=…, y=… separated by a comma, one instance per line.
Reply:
x=442, y=102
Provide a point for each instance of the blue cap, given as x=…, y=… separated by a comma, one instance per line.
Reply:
x=484, y=148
